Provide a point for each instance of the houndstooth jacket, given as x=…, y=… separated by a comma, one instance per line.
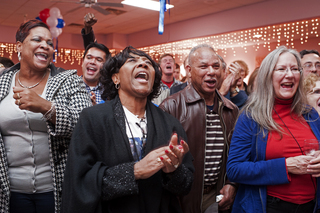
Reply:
x=68, y=92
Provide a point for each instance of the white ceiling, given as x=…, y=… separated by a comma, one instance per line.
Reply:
x=14, y=12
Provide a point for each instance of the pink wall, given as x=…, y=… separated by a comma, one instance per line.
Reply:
x=255, y=15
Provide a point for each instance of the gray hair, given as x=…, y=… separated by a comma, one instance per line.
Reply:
x=261, y=102
x=223, y=63
x=196, y=48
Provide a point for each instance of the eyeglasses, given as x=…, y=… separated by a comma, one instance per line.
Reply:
x=294, y=70
x=309, y=66
x=315, y=91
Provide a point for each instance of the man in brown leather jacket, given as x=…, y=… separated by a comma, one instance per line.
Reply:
x=208, y=119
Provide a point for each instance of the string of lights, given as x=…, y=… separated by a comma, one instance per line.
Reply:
x=268, y=37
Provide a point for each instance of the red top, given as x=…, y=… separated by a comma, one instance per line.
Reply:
x=300, y=188
x=168, y=83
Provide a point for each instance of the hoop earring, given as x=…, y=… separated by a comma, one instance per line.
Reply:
x=117, y=86
x=19, y=56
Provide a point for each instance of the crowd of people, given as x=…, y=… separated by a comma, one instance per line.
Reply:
x=130, y=135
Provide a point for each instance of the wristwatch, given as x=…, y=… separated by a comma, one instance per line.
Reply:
x=237, y=90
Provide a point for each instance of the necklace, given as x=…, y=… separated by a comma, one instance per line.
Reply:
x=288, y=130
x=296, y=142
x=29, y=87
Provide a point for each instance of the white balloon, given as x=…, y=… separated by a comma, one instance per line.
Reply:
x=54, y=32
x=55, y=12
x=60, y=30
x=52, y=22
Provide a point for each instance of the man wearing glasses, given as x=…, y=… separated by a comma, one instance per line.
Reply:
x=310, y=60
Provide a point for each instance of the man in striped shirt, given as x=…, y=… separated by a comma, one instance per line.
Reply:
x=208, y=119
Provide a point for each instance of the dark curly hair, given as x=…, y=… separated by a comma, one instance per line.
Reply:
x=113, y=65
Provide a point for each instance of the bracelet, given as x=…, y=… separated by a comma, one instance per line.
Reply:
x=48, y=115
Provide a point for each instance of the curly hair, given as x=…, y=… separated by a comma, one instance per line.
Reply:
x=113, y=66
x=310, y=82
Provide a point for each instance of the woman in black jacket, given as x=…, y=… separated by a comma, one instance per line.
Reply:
x=125, y=155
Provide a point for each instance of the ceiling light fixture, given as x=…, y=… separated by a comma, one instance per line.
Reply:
x=146, y=4
x=257, y=36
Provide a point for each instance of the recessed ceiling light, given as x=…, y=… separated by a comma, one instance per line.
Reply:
x=146, y=4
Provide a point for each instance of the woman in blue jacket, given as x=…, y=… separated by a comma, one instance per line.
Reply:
x=267, y=153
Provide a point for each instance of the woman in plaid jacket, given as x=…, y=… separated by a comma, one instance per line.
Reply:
x=39, y=107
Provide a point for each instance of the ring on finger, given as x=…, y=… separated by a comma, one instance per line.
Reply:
x=159, y=160
x=18, y=94
x=176, y=165
x=19, y=103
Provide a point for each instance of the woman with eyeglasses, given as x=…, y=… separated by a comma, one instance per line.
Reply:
x=126, y=154
x=311, y=85
x=267, y=156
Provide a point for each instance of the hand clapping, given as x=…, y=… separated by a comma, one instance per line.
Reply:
x=167, y=158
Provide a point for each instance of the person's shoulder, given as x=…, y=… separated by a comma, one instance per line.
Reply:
x=312, y=115
x=245, y=119
x=170, y=119
x=173, y=99
x=228, y=103
x=177, y=88
x=98, y=110
x=61, y=71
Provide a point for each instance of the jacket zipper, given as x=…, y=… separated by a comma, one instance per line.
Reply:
x=225, y=141
x=205, y=151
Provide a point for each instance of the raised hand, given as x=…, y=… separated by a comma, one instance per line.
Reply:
x=89, y=21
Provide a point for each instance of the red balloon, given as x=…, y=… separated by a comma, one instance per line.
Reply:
x=44, y=14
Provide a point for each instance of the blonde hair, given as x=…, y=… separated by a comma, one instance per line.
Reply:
x=243, y=65
x=310, y=82
x=261, y=101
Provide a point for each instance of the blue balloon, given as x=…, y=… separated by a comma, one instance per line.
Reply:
x=38, y=18
x=61, y=23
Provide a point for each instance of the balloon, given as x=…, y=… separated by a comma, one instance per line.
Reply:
x=52, y=22
x=55, y=12
x=44, y=14
x=60, y=30
x=61, y=23
x=54, y=32
x=38, y=18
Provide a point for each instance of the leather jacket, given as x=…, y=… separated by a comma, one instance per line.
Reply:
x=190, y=109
